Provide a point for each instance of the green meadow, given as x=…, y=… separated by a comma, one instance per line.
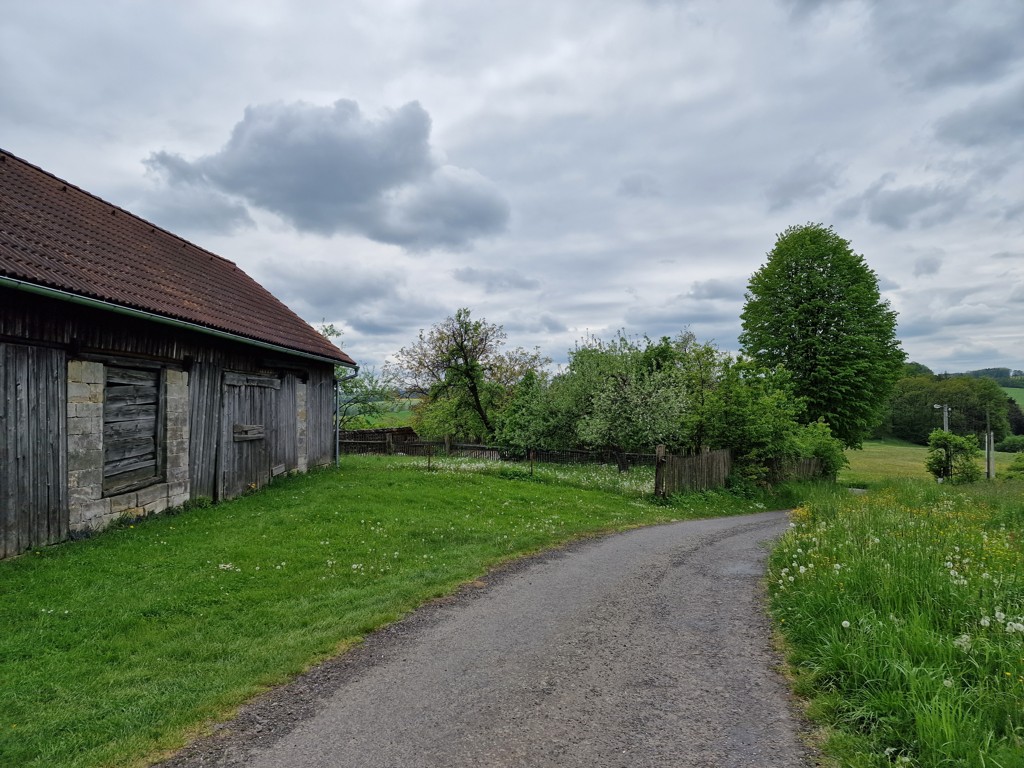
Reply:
x=119, y=648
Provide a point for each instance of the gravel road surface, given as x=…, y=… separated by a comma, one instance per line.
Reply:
x=647, y=648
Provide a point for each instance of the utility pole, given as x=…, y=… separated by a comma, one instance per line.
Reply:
x=990, y=454
x=945, y=415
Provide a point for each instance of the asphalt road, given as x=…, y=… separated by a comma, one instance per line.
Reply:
x=647, y=648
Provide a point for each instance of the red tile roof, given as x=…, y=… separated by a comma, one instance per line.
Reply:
x=56, y=235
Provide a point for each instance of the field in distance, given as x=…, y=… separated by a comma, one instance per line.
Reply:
x=881, y=460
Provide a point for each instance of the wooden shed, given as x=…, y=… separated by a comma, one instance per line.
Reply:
x=138, y=370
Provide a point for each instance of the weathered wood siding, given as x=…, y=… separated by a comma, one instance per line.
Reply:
x=33, y=447
x=132, y=428
x=84, y=333
x=284, y=432
x=320, y=405
x=204, y=428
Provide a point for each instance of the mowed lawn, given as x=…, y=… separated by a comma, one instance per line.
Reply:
x=882, y=460
x=122, y=646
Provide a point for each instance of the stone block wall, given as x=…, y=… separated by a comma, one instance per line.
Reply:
x=89, y=509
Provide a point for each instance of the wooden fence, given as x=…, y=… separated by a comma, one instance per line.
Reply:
x=673, y=474
x=701, y=472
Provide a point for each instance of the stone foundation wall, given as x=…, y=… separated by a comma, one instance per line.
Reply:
x=89, y=509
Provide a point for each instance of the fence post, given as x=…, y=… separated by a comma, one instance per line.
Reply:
x=533, y=456
x=389, y=444
x=448, y=445
x=659, y=471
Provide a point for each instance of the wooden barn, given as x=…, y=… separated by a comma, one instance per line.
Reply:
x=138, y=370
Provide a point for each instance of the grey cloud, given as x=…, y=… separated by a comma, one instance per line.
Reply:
x=395, y=319
x=673, y=317
x=639, y=185
x=957, y=43
x=997, y=120
x=543, y=323
x=185, y=208
x=1008, y=255
x=451, y=208
x=898, y=208
x=495, y=280
x=320, y=289
x=331, y=169
x=887, y=284
x=1013, y=212
x=927, y=265
x=1017, y=295
x=804, y=8
x=963, y=356
x=808, y=179
x=717, y=289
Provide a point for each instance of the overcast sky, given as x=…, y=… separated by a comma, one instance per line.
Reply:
x=560, y=167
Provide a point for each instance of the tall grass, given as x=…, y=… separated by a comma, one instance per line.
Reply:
x=903, y=610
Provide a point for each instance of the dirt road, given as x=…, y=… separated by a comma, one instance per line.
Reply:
x=647, y=648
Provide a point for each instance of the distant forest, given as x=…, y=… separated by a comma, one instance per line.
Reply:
x=1004, y=377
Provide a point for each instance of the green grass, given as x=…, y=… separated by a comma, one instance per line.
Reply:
x=882, y=460
x=122, y=646
x=1017, y=393
x=397, y=413
x=903, y=613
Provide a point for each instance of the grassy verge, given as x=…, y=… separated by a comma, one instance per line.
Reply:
x=123, y=645
x=903, y=611
x=879, y=461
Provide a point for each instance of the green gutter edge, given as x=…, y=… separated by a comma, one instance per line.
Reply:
x=74, y=298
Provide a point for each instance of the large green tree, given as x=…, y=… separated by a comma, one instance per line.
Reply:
x=814, y=308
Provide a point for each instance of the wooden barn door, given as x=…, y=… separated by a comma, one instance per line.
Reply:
x=33, y=447
x=249, y=406
x=204, y=396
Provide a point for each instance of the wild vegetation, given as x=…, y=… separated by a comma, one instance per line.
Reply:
x=903, y=614
x=626, y=395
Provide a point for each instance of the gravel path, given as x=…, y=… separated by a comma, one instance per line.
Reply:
x=647, y=648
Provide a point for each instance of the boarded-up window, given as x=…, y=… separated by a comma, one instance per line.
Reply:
x=132, y=449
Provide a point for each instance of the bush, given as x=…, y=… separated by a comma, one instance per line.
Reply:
x=1012, y=444
x=1016, y=468
x=953, y=457
x=815, y=440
